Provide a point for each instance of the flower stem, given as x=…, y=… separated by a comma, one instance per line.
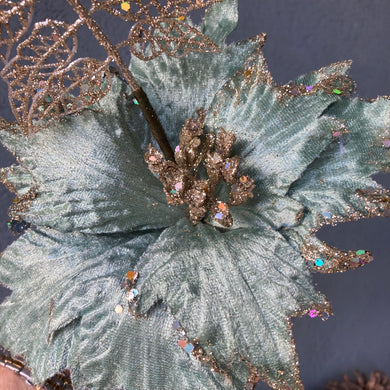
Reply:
x=144, y=103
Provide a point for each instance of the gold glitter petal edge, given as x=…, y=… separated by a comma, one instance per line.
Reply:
x=254, y=373
x=377, y=204
x=21, y=204
x=256, y=69
x=3, y=179
x=331, y=84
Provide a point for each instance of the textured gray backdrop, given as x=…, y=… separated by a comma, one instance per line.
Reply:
x=304, y=35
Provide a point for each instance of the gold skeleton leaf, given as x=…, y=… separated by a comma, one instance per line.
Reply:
x=11, y=11
x=150, y=9
x=170, y=36
x=43, y=82
x=159, y=27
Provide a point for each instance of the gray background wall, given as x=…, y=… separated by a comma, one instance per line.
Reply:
x=304, y=35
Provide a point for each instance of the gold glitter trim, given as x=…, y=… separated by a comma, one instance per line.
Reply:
x=3, y=179
x=335, y=260
x=377, y=204
x=323, y=312
x=21, y=204
x=344, y=84
x=256, y=70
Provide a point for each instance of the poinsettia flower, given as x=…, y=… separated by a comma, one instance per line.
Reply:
x=209, y=307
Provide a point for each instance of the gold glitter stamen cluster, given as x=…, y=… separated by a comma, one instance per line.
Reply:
x=181, y=179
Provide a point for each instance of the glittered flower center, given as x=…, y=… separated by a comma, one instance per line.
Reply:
x=181, y=178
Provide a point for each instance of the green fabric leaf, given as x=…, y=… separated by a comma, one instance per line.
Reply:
x=328, y=188
x=232, y=291
x=61, y=314
x=90, y=171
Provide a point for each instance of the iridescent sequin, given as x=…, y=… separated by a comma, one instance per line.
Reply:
x=135, y=292
x=222, y=206
x=189, y=348
x=319, y=262
x=179, y=186
x=313, y=313
x=118, y=309
x=360, y=252
x=125, y=6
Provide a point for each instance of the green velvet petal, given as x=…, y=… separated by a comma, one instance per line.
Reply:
x=275, y=210
x=332, y=71
x=62, y=314
x=278, y=136
x=328, y=187
x=90, y=171
x=234, y=292
x=177, y=87
x=220, y=20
